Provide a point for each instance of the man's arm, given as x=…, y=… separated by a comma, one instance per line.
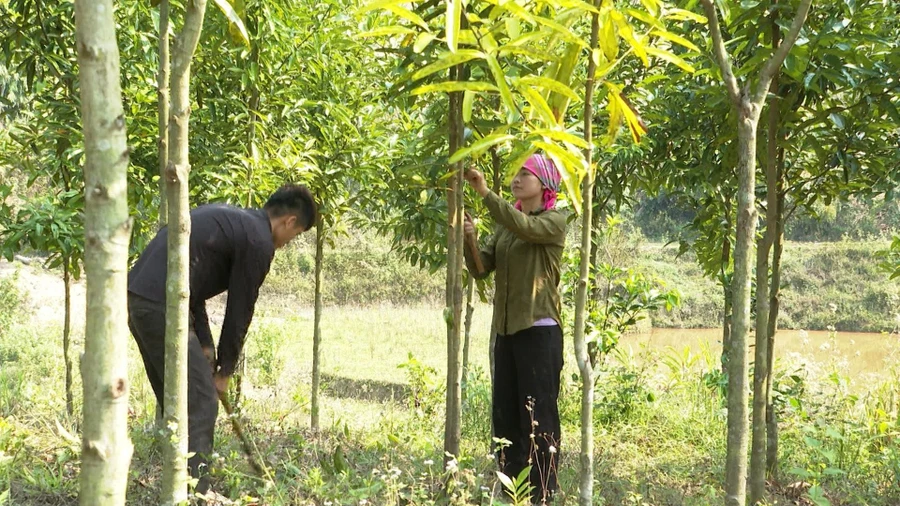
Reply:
x=248, y=271
x=200, y=326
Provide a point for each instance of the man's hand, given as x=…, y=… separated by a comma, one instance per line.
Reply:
x=476, y=181
x=221, y=382
x=210, y=353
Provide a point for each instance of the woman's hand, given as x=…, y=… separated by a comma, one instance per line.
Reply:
x=476, y=181
x=469, y=226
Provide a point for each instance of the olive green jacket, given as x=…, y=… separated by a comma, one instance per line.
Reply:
x=525, y=252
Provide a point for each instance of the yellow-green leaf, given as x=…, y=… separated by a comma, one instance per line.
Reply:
x=608, y=40
x=468, y=102
x=538, y=104
x=684, y=15
x=678, y=39
x=629, y=114
x=614, y=109
x=516, y=160
x=500, y=78
x=562, y=31
x=446, y=61
x=627, y=33
x=422, y=41
x=387, y=30
x=454, y=12
x=513, y=27
x=379, y=4
x=561, y=136
x=480, y=146
x=407, y=14
x=671, y=58
x=652, y=6
x=646, y=18
x=579, y=4
x=524, y=51
x=451, y=86
x=551, y=85
x=234, y=19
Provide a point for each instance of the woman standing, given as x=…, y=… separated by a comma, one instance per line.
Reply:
x=525, y=253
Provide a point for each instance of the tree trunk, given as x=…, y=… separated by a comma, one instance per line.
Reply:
x=453, y=311
x=467, y=333
x=67, y=335
x=586, y=455
x=774, y=302
x=163, y=92
x=174, y=483
x=726, y=290
x=736, y=459
x=106, y=449
x=762, y=368
x=317, y=324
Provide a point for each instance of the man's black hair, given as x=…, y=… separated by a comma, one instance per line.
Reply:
x=294, y=199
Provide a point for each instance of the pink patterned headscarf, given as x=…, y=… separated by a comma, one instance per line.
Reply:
x=545, y=170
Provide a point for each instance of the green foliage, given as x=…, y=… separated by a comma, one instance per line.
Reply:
x=427, y=391
x=890, y=259
x=519, y=488
x=11, y=305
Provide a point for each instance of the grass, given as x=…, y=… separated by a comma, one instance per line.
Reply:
x=659, y=421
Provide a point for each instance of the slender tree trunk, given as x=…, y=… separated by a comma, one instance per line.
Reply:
x=162, y=84
x=106, y=449
x=163, y=92
x=747, y=105
x=67, y=335
x=467, y=333
x=586, y=455
x=453, y=311
x=736, y=459
x=726, y=291
x=762, y=368
x=774, y=302
x=317, y=324
x=174, y=483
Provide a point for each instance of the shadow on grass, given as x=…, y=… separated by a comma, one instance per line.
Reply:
x=364, y=390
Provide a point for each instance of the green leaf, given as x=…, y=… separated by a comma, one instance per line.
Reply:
x=550, y=84
x=387, y=30
x=538, y=104
x=684, y=15
x=504, y=479
x=671, y=58
x=627, y=33
x=513, y=27
x=406, y=14
x=422, y=41
x=479, y=146
x=446, y=61
x=561, y=30
x=234, y=19
x=500, y=78
x=451, y=86
x=561, y=136
x=678, y=39
x=646, y=18
x=468, y=100
x=608, y=40
x=837, y=119
x=454, y=12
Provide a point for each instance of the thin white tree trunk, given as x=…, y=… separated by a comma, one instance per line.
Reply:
x=174, y=486
x=586, y=454
x=106, y=449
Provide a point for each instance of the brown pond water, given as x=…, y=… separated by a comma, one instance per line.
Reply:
x=864, y=357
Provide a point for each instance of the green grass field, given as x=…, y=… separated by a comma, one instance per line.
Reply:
x=660, y=426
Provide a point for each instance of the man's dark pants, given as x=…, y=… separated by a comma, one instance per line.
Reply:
x=147, y=321
x=526, y=387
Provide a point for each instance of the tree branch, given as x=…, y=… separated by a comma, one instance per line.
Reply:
x=774, y=64
x=715, y=31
